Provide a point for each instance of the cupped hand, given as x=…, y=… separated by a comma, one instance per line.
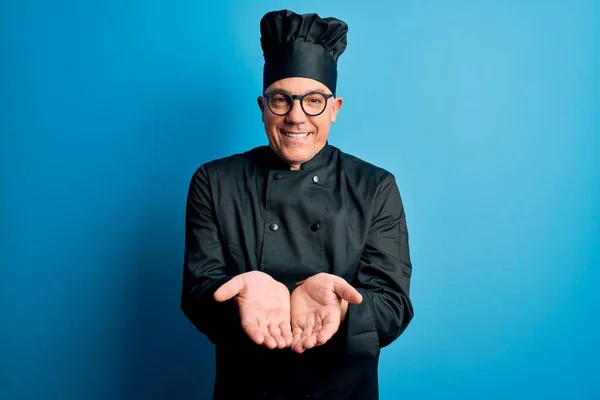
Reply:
x=264, y=307
x=318, y=306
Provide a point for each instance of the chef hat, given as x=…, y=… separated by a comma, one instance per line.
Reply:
x=301, y=45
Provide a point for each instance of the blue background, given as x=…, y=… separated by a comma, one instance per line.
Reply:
x=486, y=111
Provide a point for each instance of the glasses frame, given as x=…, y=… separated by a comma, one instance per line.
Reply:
x=293, y=97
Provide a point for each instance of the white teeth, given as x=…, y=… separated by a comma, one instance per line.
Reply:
x=296, y=135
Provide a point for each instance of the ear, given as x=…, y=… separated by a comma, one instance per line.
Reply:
x=261, y=105
x=337, y=105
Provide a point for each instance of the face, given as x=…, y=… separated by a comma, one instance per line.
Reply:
x=297, y=137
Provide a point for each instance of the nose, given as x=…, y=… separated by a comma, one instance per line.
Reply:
x=296, y=114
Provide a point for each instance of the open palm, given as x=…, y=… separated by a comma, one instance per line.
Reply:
x=264, y=307
x=317, y=306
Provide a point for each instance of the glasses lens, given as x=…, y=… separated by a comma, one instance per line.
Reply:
x=279, y=103
x=314, y=103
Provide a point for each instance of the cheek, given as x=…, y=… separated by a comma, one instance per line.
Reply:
x=322, y=123
x=266, y=117
x=270, y=123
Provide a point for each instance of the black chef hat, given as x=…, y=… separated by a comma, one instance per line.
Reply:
x=301, y=45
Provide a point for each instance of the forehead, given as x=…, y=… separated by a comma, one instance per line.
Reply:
x=298, y=86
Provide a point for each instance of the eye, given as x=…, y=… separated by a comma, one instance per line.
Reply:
x=278, y=99
x=315, y=98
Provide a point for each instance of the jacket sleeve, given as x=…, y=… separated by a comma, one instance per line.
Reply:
x=204, y=269
x=383, y=278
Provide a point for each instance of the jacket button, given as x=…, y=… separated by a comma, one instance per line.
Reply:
x=278, y=176
x=274, y=227
x=315, y=179
x=315, y=227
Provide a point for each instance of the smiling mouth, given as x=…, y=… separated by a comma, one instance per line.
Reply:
x=299, y=135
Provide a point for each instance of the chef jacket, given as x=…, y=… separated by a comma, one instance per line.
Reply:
x=338, y=214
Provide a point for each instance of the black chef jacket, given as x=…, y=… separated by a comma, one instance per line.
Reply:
x=337, y=214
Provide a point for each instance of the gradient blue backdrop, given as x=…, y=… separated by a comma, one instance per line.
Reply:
x=486, y=111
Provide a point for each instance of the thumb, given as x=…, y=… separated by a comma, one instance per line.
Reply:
x=347, y=291
x=230, y=289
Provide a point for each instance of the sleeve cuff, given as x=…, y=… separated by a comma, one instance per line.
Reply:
x=363, y=338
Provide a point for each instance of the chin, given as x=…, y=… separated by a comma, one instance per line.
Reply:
x=297, y=155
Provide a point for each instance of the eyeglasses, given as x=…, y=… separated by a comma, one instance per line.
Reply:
x=312, y=103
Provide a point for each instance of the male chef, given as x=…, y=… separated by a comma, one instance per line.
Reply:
x=297, y=263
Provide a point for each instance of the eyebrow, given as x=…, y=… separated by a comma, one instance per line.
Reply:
x=276, y=89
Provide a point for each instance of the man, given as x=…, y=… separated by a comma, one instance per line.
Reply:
x=297, y=264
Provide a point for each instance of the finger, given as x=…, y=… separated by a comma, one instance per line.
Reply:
x=286, y=333
x=347, y=291
x=297, y=338
x=310, y=341
x=270, y=342
x=326, y=333
x=318, y=325
x=309, y=325
x=298, y=346
x=304, y=344
x=297, y=332
x=296, y=335
x=275, y=333
x=254, y=332
x=307, y=331
x=229, y=289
